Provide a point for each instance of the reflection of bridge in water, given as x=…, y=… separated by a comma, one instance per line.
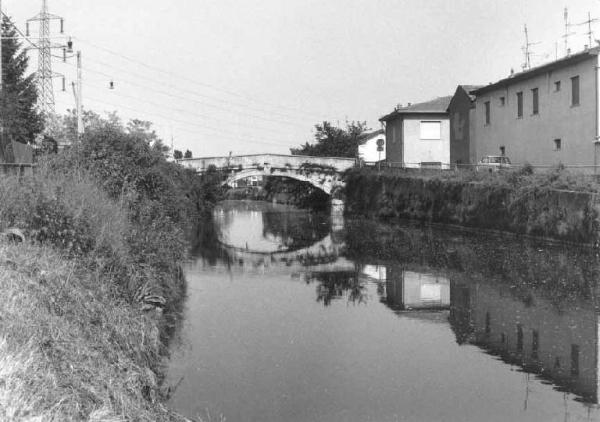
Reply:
x=325, y=251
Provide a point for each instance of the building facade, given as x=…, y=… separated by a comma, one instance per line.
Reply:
x=545, y=116
x=462, y=120
x=418, y=135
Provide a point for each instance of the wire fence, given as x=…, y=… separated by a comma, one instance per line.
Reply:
x=436, y=167
x=17, y=169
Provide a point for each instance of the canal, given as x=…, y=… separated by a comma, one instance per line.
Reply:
x=296, y=316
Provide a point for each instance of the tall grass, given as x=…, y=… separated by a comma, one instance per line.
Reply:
x=70, y=349
x=78, y=341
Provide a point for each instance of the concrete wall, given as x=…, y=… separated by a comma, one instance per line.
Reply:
x=564, y=215
x=417, y=150
x=531, y=138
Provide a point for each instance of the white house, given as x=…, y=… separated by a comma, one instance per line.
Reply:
x=367, y=148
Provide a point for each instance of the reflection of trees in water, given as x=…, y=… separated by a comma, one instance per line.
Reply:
x=295, y=230
x=561, y=273
x=205, y=242
x=336, y=285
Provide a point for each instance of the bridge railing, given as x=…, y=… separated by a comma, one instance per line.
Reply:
x=258, y=161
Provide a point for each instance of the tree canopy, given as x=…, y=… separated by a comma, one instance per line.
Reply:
x=19, y=115
x=333, y=141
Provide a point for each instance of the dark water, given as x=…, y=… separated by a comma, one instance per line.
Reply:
x=294, y=316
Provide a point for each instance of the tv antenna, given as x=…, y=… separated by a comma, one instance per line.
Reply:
x=567, y=33
x=589, y=23
x=527, y=50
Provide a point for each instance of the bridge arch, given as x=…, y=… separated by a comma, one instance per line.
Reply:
x=325, y=182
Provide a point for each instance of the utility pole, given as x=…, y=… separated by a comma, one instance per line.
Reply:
x=78, y=97
x=1, y=21
x=45, y=74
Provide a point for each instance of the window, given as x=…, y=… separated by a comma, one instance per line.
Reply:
x=574, y=359
x=556, y=86
x=535, y=344
x=502, y=101
x=535, y=99
x=487, y=112
x=575, y=90
x=431, y=130
x=519, y=338
x=557, y=145
x=519, y=105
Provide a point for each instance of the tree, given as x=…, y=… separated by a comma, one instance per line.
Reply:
x=333, y=141
x=178, y=155
x=188, y=154
x=19, y=115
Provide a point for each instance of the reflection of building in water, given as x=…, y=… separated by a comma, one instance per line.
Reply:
x=559, y=343
x=414, y=290
x=374, y=272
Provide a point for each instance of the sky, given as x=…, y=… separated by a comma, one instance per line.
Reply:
x=249, y=76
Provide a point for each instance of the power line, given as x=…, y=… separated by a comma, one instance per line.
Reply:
x=180, y=110
x=157, y=69
x=187, y=91
x=215, y=130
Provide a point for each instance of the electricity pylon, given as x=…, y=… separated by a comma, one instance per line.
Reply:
x=44, y=46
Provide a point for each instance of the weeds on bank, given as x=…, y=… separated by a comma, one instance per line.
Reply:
x=69, y=348
x=557, y=177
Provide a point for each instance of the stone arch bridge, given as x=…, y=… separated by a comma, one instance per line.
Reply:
x=325, y=173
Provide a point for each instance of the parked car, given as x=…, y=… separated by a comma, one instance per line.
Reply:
x=493, y=163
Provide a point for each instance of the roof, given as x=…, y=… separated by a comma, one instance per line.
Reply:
x=557, y=64
x=436, y=106
x=364, y=137
x=470, y=88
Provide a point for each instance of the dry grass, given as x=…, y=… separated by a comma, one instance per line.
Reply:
x=69, y=349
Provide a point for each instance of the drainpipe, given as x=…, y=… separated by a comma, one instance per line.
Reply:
x=597, y=138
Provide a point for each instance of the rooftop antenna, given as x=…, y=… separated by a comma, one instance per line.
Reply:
x=527, y=50
x=589, y=23
x=567, y=33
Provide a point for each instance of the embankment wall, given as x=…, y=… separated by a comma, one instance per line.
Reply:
x=538, y=211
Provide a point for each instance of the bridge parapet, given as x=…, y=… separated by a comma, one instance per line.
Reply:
x=260, y=161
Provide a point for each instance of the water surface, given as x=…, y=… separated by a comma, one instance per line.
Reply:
x=293, y=316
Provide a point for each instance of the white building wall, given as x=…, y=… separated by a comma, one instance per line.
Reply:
x=368, y=151
x=418, y=150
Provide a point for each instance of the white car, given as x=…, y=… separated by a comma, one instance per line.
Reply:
x=493, y=163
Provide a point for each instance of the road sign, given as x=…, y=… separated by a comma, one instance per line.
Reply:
x=380, y=143
x=379, y=147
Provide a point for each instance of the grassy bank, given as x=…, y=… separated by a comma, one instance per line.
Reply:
x=555, y=204
x=92, y=295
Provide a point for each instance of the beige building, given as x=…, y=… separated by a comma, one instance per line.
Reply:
x=545, y=116
x=418, y=135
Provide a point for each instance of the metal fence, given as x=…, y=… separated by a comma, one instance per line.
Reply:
x=585, y=170
x=17, y=169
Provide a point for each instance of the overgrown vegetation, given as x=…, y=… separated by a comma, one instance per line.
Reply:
x=333, y=141
x=19, y=117
x=554, y=204
x=92, y=296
